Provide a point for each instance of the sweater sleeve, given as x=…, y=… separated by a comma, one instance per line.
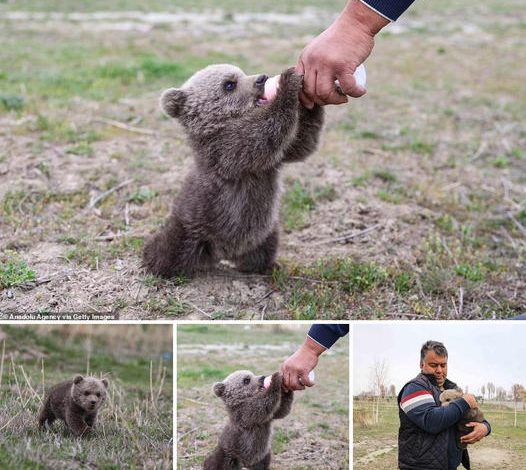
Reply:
x=327, y=334
x=419, y=405
x=389, y=9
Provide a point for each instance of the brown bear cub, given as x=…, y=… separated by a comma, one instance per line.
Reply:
x=229, y=203
x=76, y=402
x=245, y=440
x=472, y=415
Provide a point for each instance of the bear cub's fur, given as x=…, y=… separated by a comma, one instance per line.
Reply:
x=76, y=402
x=245, y=440
x=229, y=203
x=472, y=415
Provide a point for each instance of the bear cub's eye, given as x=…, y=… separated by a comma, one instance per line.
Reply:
x=98, y=394
x=230, y=86
x=246, y=380
x=86, y=394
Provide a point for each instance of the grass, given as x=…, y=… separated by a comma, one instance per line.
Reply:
x=135, y=424
x=208, y=353
x=14, y=271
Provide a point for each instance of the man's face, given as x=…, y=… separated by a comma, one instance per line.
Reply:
x=436, y=365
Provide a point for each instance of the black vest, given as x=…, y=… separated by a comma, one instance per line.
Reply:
x=420, y=450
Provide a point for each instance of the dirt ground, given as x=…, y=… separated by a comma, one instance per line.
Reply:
x=482, y=457
x=426, y=174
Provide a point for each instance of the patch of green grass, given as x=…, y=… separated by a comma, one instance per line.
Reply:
x=297, y=203
x=85, y=254
x=12, y=102
x=188, y=376
x=501, y=161
x=446, y=223
x=470, y=272
x=361, y=181
x=386, y=176
x=81, y=149
x=393, y=196
x=403, y=282
x=422, y=148
x=142, y=195
x=280, y=439
x=14, y=272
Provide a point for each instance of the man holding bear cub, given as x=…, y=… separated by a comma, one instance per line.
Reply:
x=428, y=437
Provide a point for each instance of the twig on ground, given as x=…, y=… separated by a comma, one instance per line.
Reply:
x=105, y=194
x=521, y=227
x=479, y=151
x=179, y=438
x=126, y=127
x=198, y=309
x=348, y=237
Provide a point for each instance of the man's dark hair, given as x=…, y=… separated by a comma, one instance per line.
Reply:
x=435, y=346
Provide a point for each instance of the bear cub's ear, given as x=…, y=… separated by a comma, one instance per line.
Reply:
x=105, y=382
x=172, y=102
x=219, y=388
x=78, y=379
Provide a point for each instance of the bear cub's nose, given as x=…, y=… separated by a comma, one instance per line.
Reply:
x=260, y=81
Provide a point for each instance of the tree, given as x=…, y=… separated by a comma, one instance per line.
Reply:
x=517, y=392
x=392, y=390
x=491, y=390
x=379, y=374
x=483, y=391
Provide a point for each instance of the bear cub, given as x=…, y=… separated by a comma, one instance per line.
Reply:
x=76, y=402
x=229, y=204
x=245, y=440
x=472, y=415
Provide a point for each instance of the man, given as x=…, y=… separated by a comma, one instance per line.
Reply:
x=428, y=437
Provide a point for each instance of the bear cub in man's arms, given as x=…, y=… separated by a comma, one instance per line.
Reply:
x=245, y=440
x=229, y=204
x=472, y=415
x=76, y=402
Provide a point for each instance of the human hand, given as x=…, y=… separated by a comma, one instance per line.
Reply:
x=480, y=430
x=296, y=368
x=472, y=401
x=336, y=53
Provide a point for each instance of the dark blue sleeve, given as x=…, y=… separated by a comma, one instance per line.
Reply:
x=327, y=334
x=488, y=426
x=391, y=9
x=420, y=407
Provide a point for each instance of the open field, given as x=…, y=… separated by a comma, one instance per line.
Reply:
x=134, y=429
x=375, y=446
x=413, y=207
x=316, y=433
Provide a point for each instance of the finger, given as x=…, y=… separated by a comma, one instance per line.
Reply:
x=305, y=100
x=309, y=85
x=349, y=85
x=326, y=92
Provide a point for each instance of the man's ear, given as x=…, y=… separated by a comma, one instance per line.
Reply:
x=78, y=379
x=219, y=388
x=172, y=102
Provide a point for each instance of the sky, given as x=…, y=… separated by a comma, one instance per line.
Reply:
x=479, y=352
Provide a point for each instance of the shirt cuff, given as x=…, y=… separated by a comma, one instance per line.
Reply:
x=389, y=9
